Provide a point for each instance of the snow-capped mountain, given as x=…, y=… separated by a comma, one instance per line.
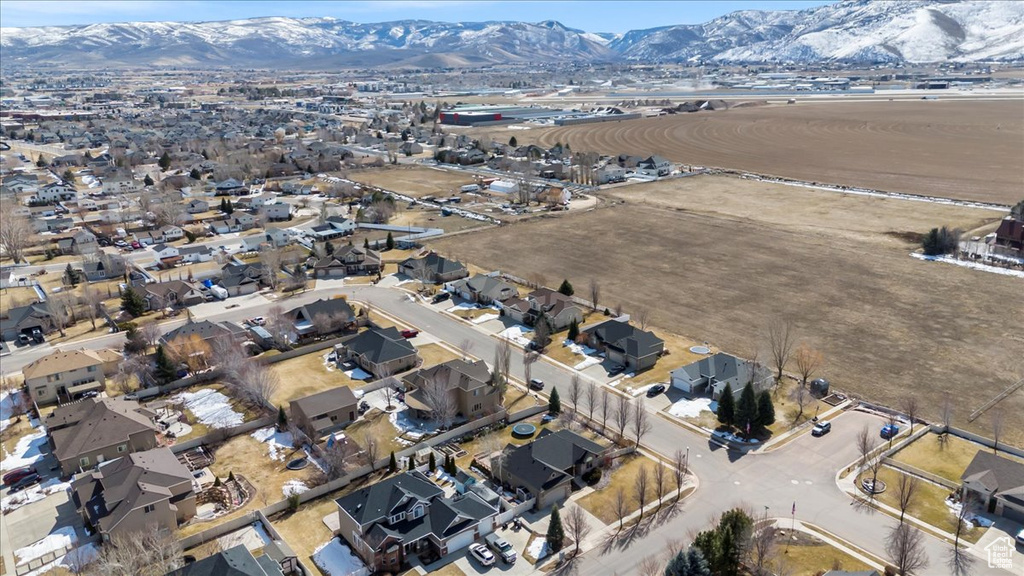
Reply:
x=851, y=30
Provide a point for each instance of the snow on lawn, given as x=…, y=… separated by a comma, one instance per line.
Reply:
x=485, y=318
x=28, y=451
x=358, y=373
x=517, y=334
x=538, y=548
x=279, y=443
x=211, y=408
x=33, y=494
x=971, y=265
x=693, y=408
x=411, y=428
x=56, y=540
x=75, y=561
x=294, y=487
x=579, y=349
x=590, y=361
x=337, y=559
x=7, y=402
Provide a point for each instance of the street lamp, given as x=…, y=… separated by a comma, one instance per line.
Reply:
x=686, y=463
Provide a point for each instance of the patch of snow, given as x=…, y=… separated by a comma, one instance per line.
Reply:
x=485, y=318
x=33, y=494
x=75, y=561
x=579, y=349
x=279, y=443
x=729, y=436
x=970, y=264
x=292, y=487
x=538, y=548
x=337, y=559
x=211, y=408
x=8, y=400
x=464, y=306
x=27, y=451
x=55, y=541
x=516, y=334
x=693, y=408
x=403, y=421
x=358, y=373
x=590, y=361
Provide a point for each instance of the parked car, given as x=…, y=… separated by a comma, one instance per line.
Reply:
x=410, y=333
x=655, y=390
x=821, y=428
x=25, y=482
x=1020, y=537
x=120, y=244
x=258, y=321
x=889, y=431
x=136, y=245
x=616, y=370
x=17, y=474
x=501, y=547
x=536, y=384
x=441, y=297
x=363, y=407
x=481, y=554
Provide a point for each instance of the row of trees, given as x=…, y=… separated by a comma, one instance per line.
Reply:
x=754, y=411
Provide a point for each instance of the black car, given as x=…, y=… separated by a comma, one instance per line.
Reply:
x=616, y=370
x=655, y=390
x=25, y=482
x=441, y=297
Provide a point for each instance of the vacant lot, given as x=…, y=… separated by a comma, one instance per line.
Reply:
x=888, y=325
x=967, y=149
x=415, y=181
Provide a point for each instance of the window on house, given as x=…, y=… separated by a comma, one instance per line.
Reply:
x=84, y=461
x=90, y=369
x=477, y=407
x=122, y=448
x=417, y=511
x=149, y=508
x=397, y=518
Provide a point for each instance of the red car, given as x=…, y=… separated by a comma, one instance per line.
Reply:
x=17, y=474
x=410, y=333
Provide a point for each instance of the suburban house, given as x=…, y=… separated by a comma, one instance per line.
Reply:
x=207, y=331
x=636, y=349
x=171, y=293
x=379, y=351
x=347, y=260
x=67, y=374
x=135, y=492
x=197, y=206
x=235, y=561
x=483, y=289
x=469, y=383
x=27, y=320
x=334, y=227
x=407, y=515
x=276, y=212
x=234, y=223
x=240, y=279
x=1010, y=234
x=433, y=268
x=94, y=430
x=276, y=237
x=54, y=192
x=654, y=166
x=320, y=414
x=557, y=308
x=105, y=267
x=167, y=255
x=81, y=242
x=549, y=467
x=170, y=233
x=336, y=311
x=998, y=484
x=709, y=376
x=52, y=224
x=194, y=254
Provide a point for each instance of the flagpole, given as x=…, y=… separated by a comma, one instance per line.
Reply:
x=792, y=528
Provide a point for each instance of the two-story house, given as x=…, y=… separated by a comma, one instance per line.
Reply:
x=550, y=467
x=67, y=374
x=346, y=261
x=320, y=414
x=468, y=383
x=554, y=307
x=95, y=430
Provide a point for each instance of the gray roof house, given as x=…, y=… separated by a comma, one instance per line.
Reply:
x=25, y=319
x=407, y=515
x=710, y=375
x=336, y=309
x=324, y=412
x=998, y=482
x=636, y=349
x=236, y=561
x=548, y=467
x=379, y=351
x=433, y=268
x=95, y=430
x=483, y=289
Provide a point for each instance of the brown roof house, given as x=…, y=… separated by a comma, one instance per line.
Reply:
x=468, y=383
x=484, y=289
x=136, y=492
x=171, y=293
x=66, y=374
x=1011, y=234
x=320, y=414
x=379, y=351
x=347, y=261
x=548, y=468
x=558, y=309
x=998, y=483
x=433, y=268
x=86, y=433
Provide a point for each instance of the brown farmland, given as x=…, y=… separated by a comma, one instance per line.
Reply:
x=889, y=325
x=971, y=150
x=415, y=181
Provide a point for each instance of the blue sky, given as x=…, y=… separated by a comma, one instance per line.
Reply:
x=599, y=16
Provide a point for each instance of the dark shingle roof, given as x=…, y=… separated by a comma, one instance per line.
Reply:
x=204, y=329
x=326, y=401
x=381, y=345
x=998, y=474
x=378, y=500
x=626, y=337
x=237, y=561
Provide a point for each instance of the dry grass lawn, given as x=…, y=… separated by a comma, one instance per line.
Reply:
x=304, y=530
x=928, y=504
x=787, y=412
x=16, y=296
x=434, y=354
x=947, y=460
x=809, y=556
x=13, y=433
x=305, y=375
x=449, y=570
x=601, y=503
x=415, y=181
x=375, y=424
x=887, y=324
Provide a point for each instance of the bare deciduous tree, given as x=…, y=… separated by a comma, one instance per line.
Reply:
x=575, y=391
x=641, y=422
x=385, y=374
x=911, y=408
x=150, y=333
x=801, y=397
x=16, y=234
x=780, y=343
x=905, y=548
x=808, y=360
x=997, y=429
x=623, y=411
x=528, y=359
x=440, y=400
x=946, y=414
x=191, y=350
x=604, y=407
x=865, y=447
x=59, y=305
x=502, y=366
x=762, y=546
x=590, y=399
x=640, y=484
x=960, y=562
x=91, y=300
x=279, y=326
x=620, y=504
x=371, y=450
x=271, y=259
x=465, y=347
x=649, y=566
x=659, y=481
x=642, y=316
x=906, y=489
x=679, y=471
x=150, y=552
x=577, y=525
x=595, y=292
x=257, y=383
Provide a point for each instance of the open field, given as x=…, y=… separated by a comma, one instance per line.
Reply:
x=415, y=181
x=967, y=149
x=888, y=325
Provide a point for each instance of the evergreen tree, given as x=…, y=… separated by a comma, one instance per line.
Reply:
x=190, y=236
x=231, y=477
x=390, y=242
x=148, y=180
x=217, y=483
x=228, y=207
x=393, y=464
x=366, y=243
x=132, y=303
x=690, y=562
x=765, y=409
x=566, y=288
x=513, y=143
x=328, y=248
x=70, y=275
x=68, y=176
x=195, y=175
x=205, y=155
x=165, y=161
x=554, y=403
x=282, y=418
x=412, y=463
x=746, y=409
x=165, y=369
x=41, y=163
x=556, y=535
x=574, y=331
x=133, y=343
x=726, y=411
x=432, y=464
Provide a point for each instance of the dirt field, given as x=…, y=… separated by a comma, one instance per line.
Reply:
x=970, y=150
x=888, y=325
x=415, y=181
